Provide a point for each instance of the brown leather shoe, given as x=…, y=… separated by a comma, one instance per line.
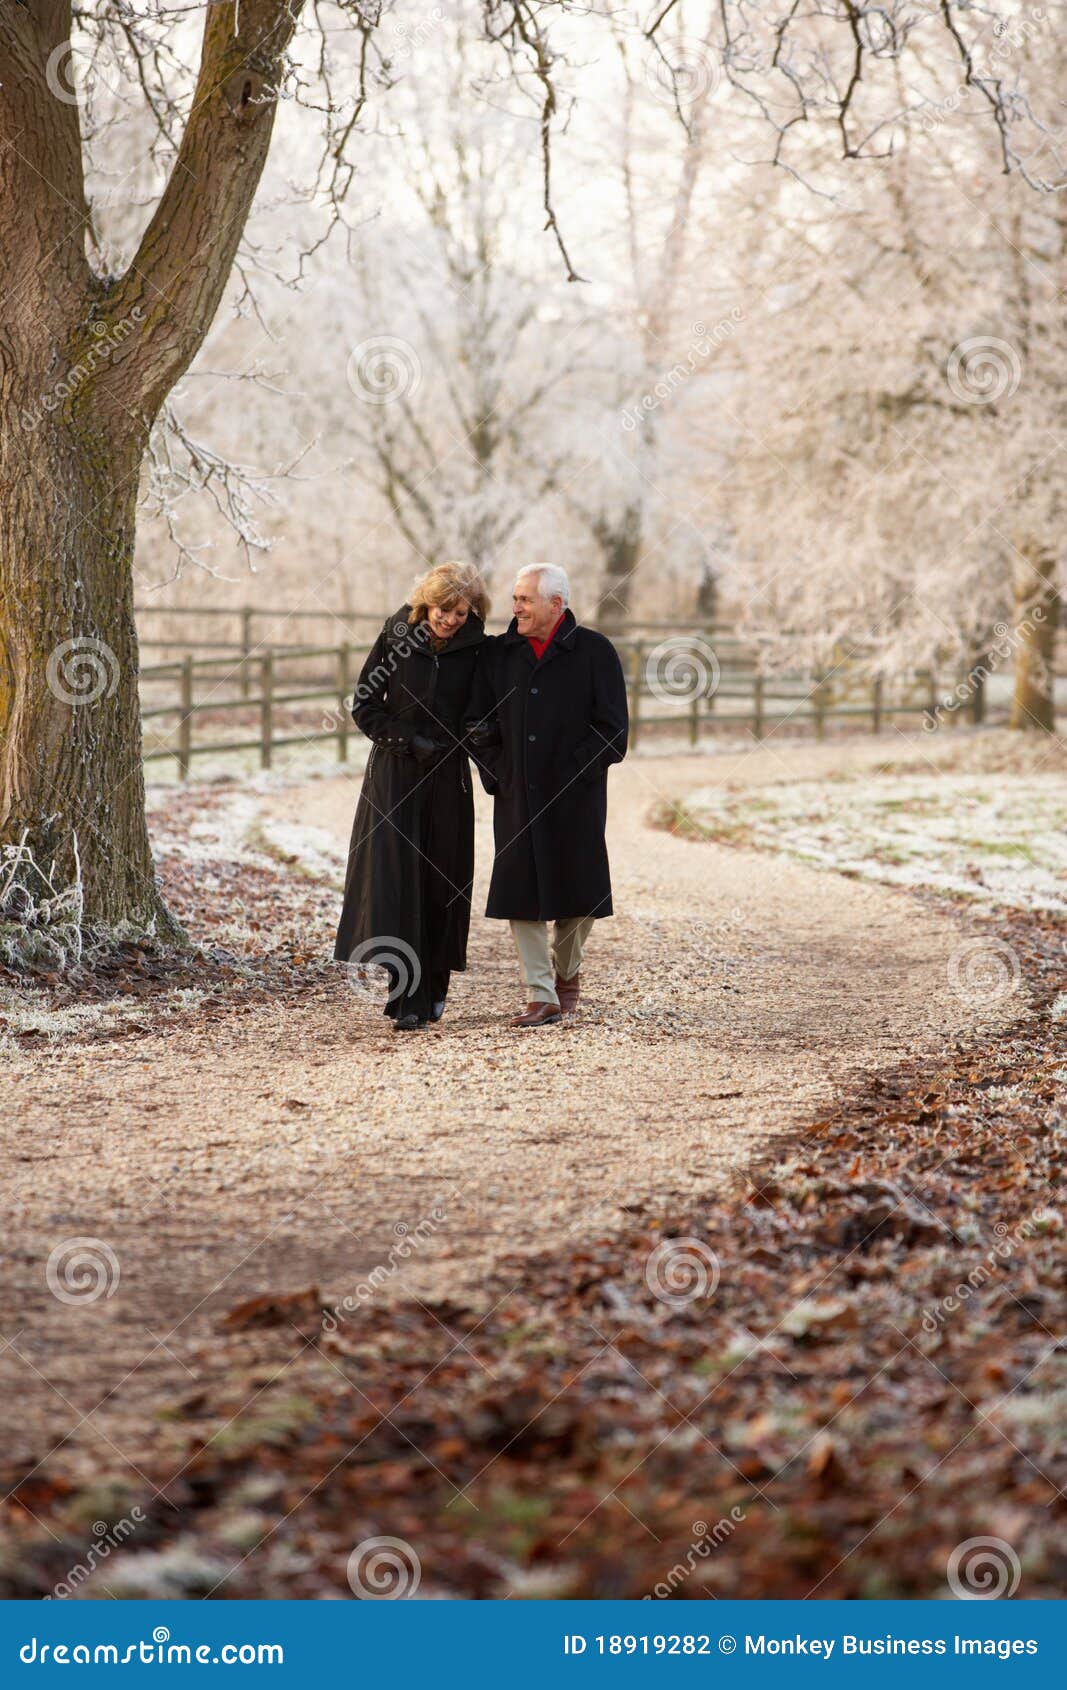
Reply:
x=567, y=992
x=537, y=1015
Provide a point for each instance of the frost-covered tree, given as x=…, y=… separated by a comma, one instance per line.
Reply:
x=111, y=279
x=479, y=345
x=900, y=408
x=133, y=144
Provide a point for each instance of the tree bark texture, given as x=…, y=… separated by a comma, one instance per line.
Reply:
x=86, y=361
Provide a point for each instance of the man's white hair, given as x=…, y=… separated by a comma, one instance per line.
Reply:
x=551, y=581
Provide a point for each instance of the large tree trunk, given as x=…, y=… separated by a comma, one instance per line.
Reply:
x=707, y=599
x=620, y=543
x=86, y=361
x=1033, y=702
x=71, y=776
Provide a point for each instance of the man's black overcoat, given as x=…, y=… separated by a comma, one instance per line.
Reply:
x=562, y=722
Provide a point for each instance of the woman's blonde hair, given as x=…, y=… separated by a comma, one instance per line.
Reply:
x=445, y=585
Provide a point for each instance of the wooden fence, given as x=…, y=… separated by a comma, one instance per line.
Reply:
x=246, y=630
x=695, y=683
x=243, y=630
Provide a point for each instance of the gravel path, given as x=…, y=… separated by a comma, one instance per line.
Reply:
x=278, y=1148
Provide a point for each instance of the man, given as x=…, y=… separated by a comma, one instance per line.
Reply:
x=552, y=716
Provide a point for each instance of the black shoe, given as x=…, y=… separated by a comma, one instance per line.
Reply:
x=438, y=1010
x=407, y=1023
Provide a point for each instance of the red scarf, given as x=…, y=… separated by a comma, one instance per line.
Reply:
x=541, y=646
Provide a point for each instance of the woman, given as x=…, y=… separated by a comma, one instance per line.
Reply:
x=411, y=860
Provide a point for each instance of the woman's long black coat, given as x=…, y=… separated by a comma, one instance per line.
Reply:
x=407, y=688
x=562, y=722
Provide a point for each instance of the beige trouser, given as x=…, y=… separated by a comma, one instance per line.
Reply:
x=542, y=962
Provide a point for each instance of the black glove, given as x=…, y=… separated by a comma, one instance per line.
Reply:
x=481, y=735
x=424, y=749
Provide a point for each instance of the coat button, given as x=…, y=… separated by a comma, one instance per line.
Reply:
x=533, y=691
x=532, y=738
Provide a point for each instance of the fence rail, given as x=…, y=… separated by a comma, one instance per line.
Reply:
x=269, y=694
x=249, y=625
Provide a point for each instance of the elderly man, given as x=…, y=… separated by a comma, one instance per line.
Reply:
x=552, y=719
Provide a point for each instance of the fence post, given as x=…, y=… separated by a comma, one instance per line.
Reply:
x=818, y=704
x=635, y=694
x=694, y=720
x=185, y=724
x=978, y=680
x=266, y=708
x=954, y=712
x=246, y=651
x=876, y=705
x=342, y=688
x=933, y=705
x=757, y=705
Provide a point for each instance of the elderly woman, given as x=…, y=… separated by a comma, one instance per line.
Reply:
x=411, y=859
